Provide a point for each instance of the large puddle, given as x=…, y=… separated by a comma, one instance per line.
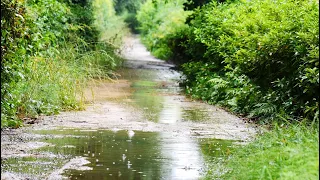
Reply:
x=120, y=155
x=174, y=138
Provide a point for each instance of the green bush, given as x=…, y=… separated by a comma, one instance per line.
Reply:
x=272, y=44
x=112, y=28
x=158, y=20
x=83, y=17
x=13, y=33
x=129, y=9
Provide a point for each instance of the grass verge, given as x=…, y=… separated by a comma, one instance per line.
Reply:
x=287, y=152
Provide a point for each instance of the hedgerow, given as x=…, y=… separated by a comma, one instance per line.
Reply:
x=49, y=49
x=257, y=58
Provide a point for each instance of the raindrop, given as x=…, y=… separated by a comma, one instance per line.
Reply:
x=129, y=165
x=130, y=133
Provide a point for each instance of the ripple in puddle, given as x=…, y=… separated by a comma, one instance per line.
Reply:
x=133, y=154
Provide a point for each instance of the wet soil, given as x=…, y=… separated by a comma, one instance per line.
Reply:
x=147, y=102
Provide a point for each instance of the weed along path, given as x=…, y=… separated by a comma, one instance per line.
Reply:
x=139, y=126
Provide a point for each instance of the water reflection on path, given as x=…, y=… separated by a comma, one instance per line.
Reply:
x=129, y=154
x=186, y=161
x=157, y=93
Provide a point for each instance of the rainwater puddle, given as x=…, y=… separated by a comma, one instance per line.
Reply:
x=131, y=154
x=157, y=93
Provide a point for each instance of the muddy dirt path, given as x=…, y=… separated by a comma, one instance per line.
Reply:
x=145, y=98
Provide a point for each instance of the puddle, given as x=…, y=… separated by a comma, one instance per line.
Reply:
x=157, y=93
x=120, y=155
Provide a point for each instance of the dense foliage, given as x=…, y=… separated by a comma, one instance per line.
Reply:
x=129, y=9
x=158, y=20
x=257, y=58
x=49, y=49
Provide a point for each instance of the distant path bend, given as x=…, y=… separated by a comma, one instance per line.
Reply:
x=137, y=55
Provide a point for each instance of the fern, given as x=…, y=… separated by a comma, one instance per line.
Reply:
x=263, y=109
x=219, y=83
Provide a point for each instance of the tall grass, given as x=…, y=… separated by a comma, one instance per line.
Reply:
x=56, y=82
x=288, y=152
x=59, y=54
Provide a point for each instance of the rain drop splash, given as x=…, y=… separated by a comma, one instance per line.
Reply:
x=130, y=134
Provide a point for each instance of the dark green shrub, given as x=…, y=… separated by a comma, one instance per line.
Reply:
x=130, y=9
x=271, y=47
x=83, y=17
x=271, y=42
x=14, y=34
x=158, y=20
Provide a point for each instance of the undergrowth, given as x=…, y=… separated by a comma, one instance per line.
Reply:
x=49, y=50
